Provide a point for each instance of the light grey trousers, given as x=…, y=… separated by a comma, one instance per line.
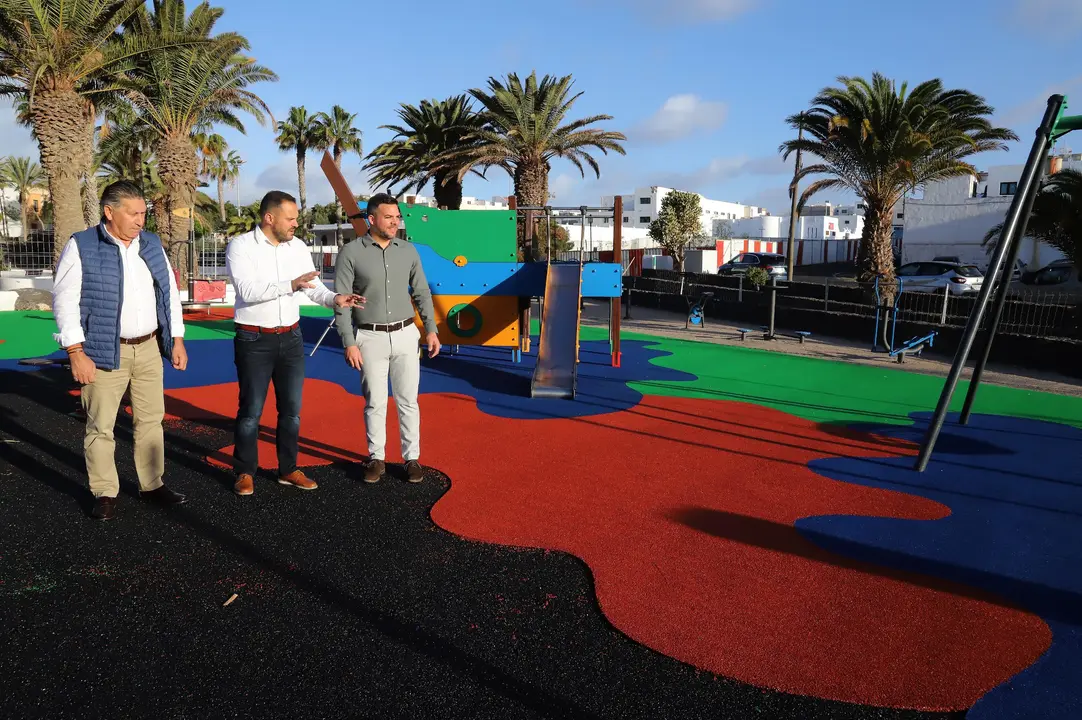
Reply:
x=393, y=356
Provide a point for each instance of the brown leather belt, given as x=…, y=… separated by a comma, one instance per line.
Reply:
x=385, y=327
x=266, y=330
x=138, y=340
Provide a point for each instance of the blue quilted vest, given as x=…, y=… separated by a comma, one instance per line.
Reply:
x=103, y=288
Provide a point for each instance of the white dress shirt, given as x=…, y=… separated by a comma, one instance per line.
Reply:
x=138, y=306
x=262, y=274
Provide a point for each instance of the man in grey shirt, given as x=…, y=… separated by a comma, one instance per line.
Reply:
x=380, y=339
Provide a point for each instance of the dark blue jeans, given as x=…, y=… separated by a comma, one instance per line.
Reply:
x=263, y=358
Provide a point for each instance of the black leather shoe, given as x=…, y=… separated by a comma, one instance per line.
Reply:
x=163, y=496
x=104, y=508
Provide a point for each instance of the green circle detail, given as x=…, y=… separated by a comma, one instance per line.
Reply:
x=470, y=310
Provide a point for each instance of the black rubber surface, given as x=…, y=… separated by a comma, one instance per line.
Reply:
x=351, y=602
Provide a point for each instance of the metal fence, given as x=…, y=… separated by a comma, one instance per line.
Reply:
x=1032, y=312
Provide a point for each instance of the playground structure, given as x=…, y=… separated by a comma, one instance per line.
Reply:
x=482, y=293
x=1054, y=125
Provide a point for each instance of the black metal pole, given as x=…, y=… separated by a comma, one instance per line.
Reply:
x=1001, y=296
x=1026, y=185
x=773, y=301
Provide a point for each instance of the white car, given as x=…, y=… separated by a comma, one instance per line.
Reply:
x=933, y=276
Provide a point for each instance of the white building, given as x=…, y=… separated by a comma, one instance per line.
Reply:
x=644, y=206
x=953, y=216
x=468, y=203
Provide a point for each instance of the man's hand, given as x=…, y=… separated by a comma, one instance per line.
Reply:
x=304, y=280
x=433, y=344
x=180, y=354
x=82, y=368
x=349, y=300
x=353, y=357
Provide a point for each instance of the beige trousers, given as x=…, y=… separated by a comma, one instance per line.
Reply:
x=140, y=369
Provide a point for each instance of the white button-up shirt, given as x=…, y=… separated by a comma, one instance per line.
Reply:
x=262, y=274
x=138, y=311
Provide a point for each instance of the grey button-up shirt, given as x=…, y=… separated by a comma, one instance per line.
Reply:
x=391, y=280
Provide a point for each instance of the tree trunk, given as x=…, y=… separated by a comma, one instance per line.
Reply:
x=60, y=118
x=91, y=199
x=448, y=194
x=221, y=196
x=531, y=189
x=23, y=218
x=301, y=188
x=177, y=166
x=879, y=258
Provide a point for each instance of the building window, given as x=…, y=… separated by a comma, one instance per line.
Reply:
x=627, y=219
x=1008, y=188
x=644, y=218
x=644, y=201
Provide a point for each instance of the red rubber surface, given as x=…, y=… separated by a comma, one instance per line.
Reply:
x=684, y=509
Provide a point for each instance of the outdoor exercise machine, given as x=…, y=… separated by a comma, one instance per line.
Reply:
x=697, y=310
x=769, y=331
x=1054, y=125
x=912, y=346
x=885, y=310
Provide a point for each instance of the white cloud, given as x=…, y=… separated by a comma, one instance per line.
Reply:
x=695, y=10
x=679, y=117
x=722, y=169
x=1049, y=17
x=1029, y=112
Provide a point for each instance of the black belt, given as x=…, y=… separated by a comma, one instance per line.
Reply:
x=384, y=327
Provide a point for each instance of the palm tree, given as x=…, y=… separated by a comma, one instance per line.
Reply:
x=23, y=175
x=428, y=131
x=125, y=141
x=880, y=141
x=299, y=132
x=224, y=168
x=526, y=128
x=62, y=57
x=1056, y=218
x=181, y=91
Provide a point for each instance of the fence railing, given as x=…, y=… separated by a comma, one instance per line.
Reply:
x=1033, y=312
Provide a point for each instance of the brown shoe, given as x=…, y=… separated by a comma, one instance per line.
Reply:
x=374, y=471
x=245, y=485
x=414, y=474
x=298, y=480
x=104, y=508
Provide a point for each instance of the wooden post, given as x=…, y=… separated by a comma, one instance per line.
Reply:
x=618, y=256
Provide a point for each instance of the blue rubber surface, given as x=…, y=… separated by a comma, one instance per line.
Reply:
x=1014, y=487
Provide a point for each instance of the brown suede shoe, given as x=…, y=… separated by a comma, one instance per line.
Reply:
x=298, y=480
x=245, y=485
x=374, y=471
x=414, y=474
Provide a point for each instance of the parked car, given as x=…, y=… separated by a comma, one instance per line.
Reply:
x=1055, y=272
x=1016, y=274
x=953, y=259
x=933, y=276
x=773, y=263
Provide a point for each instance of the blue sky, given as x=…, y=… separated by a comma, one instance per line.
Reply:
x=702, y=88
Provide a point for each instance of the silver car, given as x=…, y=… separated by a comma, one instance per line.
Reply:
x=933, y=276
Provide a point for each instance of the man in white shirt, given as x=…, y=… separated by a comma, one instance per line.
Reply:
x=118, y=313
x=268, y=267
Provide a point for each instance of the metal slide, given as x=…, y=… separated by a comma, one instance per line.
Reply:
x=556, y=372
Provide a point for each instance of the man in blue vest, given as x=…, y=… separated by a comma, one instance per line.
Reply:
x=118, y=313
